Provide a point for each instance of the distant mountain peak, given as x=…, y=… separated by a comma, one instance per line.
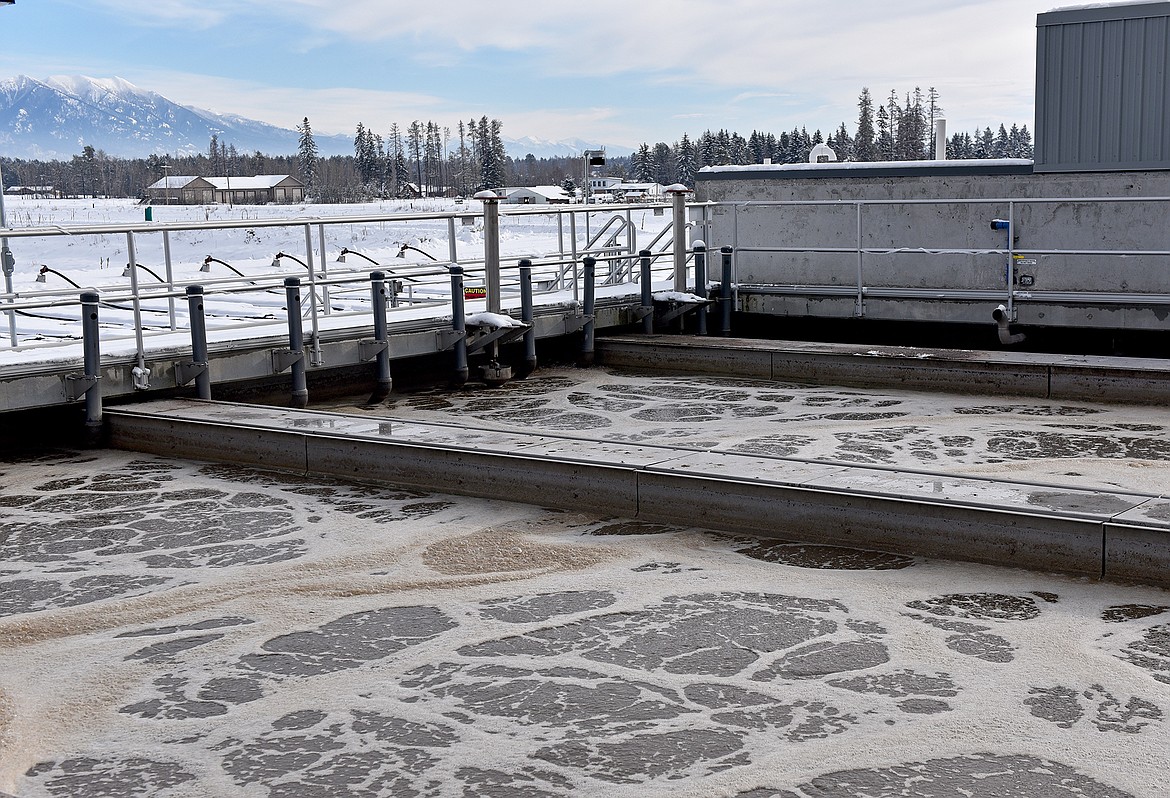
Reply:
x=56, y=117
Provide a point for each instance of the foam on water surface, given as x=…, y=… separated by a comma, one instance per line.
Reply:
x=181, y=629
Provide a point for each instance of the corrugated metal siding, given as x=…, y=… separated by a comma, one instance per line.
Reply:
x=1101, y=89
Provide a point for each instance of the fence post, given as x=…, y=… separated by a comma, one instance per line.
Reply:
x=199, y=359
x=381, y=338
x=296, y=342
x=725, y=291
x=459, y=325
x=700, y=250
x=526, y=316
x=590, y=276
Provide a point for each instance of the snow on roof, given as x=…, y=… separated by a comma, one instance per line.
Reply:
x=173, y=181
x=1086, y=6
x=550, y=192
x=241, y=183
x=863, y=165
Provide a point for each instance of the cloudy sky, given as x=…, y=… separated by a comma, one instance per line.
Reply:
x=606, y=71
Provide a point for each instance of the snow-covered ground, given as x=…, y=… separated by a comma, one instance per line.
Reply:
x=99, y=260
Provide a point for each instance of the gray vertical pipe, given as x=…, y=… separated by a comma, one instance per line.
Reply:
x=459, y=325
x=198, y=340
x=91, y=350
x=491, y=251
x=170, y=272
x=647, y=292
x=678, y=196
x=526, y=316
x=296, y=342
x=378, y=301
x=590, y=306
x=725, y=291
x=701, y=284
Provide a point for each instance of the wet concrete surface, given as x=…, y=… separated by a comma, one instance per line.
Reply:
x=180, y=629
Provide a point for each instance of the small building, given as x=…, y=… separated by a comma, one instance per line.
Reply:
x=36, y=192
x=257, y=190
x=180, y=190
x=535, y=195
x=638, y=192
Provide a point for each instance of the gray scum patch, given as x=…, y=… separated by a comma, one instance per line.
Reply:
x=975, y=776
x=360, y=752
x=1066, y=707
x=1030, y=445
x=974, y=639
x=809, y=555
x=130, y=777
x=77, y=539
x=715, y=634
x=1151, y=651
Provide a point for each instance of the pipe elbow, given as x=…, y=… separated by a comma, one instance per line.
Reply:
x=1002, y=323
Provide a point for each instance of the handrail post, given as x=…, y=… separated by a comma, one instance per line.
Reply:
x=296, y=342
x=700, y=250
x=587, y=353
x=199, y=358
x=452, y=241
x=381, y=337
x=170, y=272
x=91, y=352
x=315, y=335
x=647, y=291
x=526, y=316
x=725, y=291
x=140, y=372
x=459, y=325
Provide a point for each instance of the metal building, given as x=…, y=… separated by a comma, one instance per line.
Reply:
x=1102, y=83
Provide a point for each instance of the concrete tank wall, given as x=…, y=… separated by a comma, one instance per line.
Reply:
x=928, y=246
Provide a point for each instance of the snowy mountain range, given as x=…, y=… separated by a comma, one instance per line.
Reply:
x=53, y=119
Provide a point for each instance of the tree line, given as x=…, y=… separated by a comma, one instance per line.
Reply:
x=897, y=130
x=428, y=159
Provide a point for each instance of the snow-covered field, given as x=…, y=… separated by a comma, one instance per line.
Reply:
x=99, y=259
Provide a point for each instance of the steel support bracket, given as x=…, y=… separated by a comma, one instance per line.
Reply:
x=186, y=373
x=478, y=337
x=446, y=339
x=668, y=311
x=574, y=323
x=78, y=385
x=368, y=349
x=640, y=312
x=283, y=359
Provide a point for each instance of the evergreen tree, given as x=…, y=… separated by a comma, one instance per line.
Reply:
x=663, y=164
x=414, y=142
x=933, y=114
x=684, y=158
x=643, y=165
x=865, y=148
x=307, y=156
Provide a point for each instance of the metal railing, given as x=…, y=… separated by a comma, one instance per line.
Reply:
x=325, y=252
x=1003, y=214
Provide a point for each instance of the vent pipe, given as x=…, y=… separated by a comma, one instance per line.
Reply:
x=940, y=139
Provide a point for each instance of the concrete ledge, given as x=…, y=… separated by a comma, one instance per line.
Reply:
x=946, y=531
x=492, y=475
x=1061, y=377
x=1111, y=535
